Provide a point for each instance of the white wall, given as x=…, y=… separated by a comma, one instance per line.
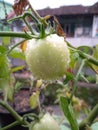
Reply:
x=83, y=41
x=95, y=26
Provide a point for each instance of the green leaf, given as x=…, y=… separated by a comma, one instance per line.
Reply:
x=6, y=40
x=8, y=92
x=2, y=49
x=69, y=76
x=17, y=68
x=4, y=66
x=17, y=86
x=68, y=112
x=74, y=58
x=34, y=100
x=86, y=49
x=95, y=55
x=17, y=53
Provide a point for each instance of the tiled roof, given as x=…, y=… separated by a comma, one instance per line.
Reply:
x=70, y=10
x=66, y=10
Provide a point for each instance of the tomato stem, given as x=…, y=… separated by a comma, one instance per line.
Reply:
x=19, y=119
x=10, y=125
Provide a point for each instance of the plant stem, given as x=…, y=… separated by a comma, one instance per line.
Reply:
x=11, y=110
x=10, y=125
x=83, y=55
x=88, y=57
x=35, y=12
x=76, y=78
x=13, y=34
x=90, y=118
x=15, y=46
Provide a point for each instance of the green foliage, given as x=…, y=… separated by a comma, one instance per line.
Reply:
x=74, y=58
x=68, y=112
x=6, y=40
x=17, y=53
x=95, y=55
x=2, y=49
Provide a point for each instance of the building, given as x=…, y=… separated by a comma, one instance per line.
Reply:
x=80, y=23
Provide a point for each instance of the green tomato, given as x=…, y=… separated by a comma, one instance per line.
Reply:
x=48, y=58
x=47, y=122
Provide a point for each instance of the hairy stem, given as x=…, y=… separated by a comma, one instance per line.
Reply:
x=90, y=118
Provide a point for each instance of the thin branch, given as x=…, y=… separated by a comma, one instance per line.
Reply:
x=10, y=125
x=15, y=46
x=89, y=58
x=13, y=34
x=11, y=110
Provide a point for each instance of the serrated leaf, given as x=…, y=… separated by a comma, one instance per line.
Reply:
x=68, y=112
x=17, y=53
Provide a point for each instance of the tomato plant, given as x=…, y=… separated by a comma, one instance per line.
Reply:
x=49, y=56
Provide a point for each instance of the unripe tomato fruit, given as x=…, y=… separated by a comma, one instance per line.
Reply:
x=48, y=58
x=47, y=122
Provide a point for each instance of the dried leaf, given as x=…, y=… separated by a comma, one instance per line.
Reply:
x=59, y=29
x=47, y=17
x=20, y=6
x=23, y=46
x=25, y=29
